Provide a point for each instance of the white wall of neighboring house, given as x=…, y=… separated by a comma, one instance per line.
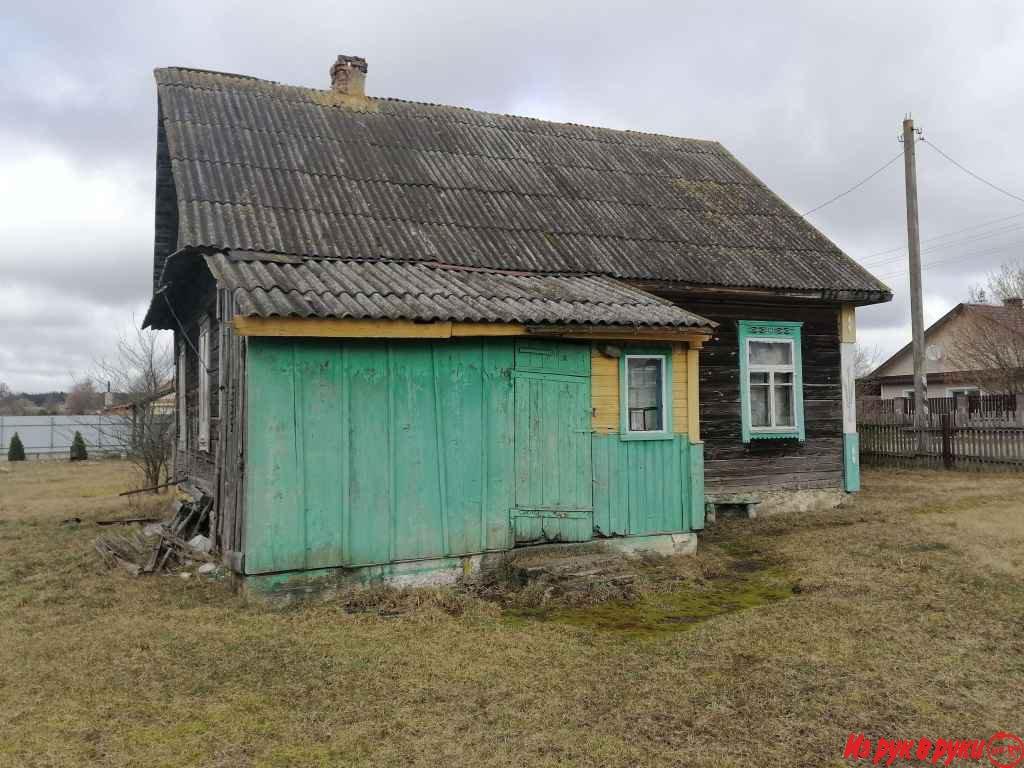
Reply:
x=890, y=391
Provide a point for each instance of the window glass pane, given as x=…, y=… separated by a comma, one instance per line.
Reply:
x=759, y=406
x=783, y=378
x=644, y=400
x=771, y=353
x=758, y=378
x=783, y=405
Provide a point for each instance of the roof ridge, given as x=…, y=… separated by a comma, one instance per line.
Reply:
x=437, y=105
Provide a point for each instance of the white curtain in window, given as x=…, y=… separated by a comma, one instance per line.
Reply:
x=182, y=415
x=204, y=386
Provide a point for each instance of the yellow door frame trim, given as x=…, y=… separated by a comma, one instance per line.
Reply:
x=330, y=328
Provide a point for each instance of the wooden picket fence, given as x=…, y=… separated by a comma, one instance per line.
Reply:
x=973, y=410
x=949, y=446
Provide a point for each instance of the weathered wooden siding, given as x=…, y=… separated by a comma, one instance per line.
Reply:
x=165, y=230
x=230, y=459
x=732, y=466
x=370, y=452
x=192, y=464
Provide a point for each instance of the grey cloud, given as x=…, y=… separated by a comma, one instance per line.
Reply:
x=808, y=95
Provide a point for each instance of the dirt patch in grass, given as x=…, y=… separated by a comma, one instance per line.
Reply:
x=906, y=621
x=642, y=596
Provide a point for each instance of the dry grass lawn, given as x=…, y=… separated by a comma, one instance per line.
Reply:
x=901, y=615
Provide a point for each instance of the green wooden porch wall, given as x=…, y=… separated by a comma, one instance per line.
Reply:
x=644, y=486
x=362, y=453
x=370, y=452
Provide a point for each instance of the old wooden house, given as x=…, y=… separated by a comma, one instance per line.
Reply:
x=410, y=334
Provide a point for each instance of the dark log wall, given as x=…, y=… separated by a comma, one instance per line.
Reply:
x=192, y=464
x=220, y=470
x=231, y=432
x=166, y=225
x=734, y=467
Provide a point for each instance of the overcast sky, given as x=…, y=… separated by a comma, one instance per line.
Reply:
x=810, y=96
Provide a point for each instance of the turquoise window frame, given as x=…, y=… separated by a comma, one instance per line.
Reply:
x=666, y=432
x=771, y=330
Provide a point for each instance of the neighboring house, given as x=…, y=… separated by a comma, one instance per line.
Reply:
x=968, y=351
x=162, y=402
x=413, y=333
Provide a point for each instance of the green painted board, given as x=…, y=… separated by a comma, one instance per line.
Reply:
x=362, y=453
x=696, y=506
x=319, y=389
x=552, y=441
x=570, y=358
x=642, y=486
x=851, y=462
x=550, y=527
x=369, y=435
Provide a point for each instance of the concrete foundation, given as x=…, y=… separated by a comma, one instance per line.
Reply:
x=775, y=502
x=323, y=584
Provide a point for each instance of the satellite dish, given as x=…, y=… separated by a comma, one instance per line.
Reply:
x=933, y=352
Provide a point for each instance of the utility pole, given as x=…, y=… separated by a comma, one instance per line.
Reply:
x=916, y=300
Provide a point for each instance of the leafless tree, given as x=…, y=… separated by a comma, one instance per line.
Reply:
x=141, y=372
x=1006, y=282
x=13, y=405
x=865, y=360
x=83, y=398
x=990, y=342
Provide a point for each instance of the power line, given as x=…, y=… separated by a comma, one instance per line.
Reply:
x=971, y=173
x=957, y=257
x=856, y=186
x=874, y=263
x=185, y=333
x=947, y=234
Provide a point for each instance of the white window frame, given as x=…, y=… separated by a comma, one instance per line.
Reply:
x=964, y=392
x=665, y=394
x=771, y=370
x=182, y=406
x=203, y=371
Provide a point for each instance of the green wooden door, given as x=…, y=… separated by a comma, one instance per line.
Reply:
x=553, y=470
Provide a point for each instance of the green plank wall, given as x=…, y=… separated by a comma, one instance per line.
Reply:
x=370, y=452
x=349, y=462
x=643, y=486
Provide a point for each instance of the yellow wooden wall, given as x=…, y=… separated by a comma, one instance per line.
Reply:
x=604, y=391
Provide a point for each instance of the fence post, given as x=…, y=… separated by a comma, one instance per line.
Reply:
x=947, y=441
x=900, y=409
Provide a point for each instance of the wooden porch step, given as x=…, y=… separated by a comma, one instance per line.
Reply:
x=741, y=503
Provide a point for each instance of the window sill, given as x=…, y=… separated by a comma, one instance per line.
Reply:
x=627, y=436
x=794, y=435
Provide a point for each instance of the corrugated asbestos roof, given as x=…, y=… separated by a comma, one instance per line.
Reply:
x=260, y=166
x=421, y=291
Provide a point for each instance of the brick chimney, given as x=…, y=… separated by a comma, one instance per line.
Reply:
x=1016, y=302
x=348, y=76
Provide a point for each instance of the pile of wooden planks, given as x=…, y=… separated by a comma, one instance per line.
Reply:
x=163, y=548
